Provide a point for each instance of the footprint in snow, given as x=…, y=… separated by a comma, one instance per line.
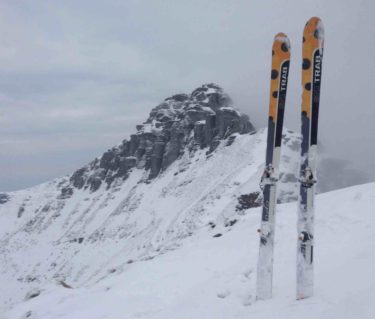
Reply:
x=247, y=273
x=223, y=294
x=247, y=300
x=28, y=315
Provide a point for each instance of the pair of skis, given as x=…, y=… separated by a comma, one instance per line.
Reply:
x=312, y=54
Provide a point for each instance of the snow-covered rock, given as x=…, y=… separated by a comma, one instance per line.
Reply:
x=181, y=122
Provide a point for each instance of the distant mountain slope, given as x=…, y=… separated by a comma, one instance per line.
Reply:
x=334, y=173
x=212, y=273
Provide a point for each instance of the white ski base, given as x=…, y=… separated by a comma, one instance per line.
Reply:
x=265, y=259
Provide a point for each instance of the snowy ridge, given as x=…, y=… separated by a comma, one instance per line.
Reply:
x=182, y=122
x=213, y=277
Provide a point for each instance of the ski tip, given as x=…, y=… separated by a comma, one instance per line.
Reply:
x=283, y=38
x=314, y=28
x=313, y=21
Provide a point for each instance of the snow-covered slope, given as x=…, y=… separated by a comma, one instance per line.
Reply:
x=212, y=276
x=88, y=235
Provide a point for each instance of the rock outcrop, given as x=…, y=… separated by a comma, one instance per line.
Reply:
x=180, y=123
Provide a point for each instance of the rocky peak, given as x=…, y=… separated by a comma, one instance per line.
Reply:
x=180, y=123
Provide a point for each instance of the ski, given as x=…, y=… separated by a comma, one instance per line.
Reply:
x=312, y=54
x=279, y=82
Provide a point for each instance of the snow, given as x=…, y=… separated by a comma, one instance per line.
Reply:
x=230, y=109
x=214, y=277
x=320, y=29
x=82, y=238
x=211, y=91
x=206, y=108
x=202, y=122
x=165, y=248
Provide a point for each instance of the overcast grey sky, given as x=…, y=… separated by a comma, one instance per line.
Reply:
x=76, y=76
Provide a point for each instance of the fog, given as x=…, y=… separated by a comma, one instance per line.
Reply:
x=77, y=76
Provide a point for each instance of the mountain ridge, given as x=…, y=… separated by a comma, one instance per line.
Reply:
x=198, y=120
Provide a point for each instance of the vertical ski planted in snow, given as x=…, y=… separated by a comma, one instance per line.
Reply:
x=312, y=54
x=279, y=82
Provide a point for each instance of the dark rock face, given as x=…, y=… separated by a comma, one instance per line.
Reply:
x=3, y=198
x=66, y=192
x=199, y=120
x=246, y=201
x=78, y=177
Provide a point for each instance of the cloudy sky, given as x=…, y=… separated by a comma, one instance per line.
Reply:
x=76, y=76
